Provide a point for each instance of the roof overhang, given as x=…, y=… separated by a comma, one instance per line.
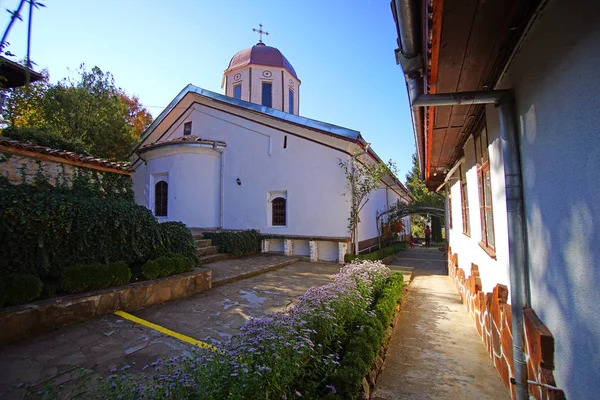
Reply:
x=466, y=47
x=13, y=74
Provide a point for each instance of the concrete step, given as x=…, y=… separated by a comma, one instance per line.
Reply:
x=198, y=236
x=203, y=251
x=214, y=257
x=203, y=243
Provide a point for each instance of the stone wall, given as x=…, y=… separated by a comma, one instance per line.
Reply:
x=492, y=316
x=46, y=315
x=21, y=169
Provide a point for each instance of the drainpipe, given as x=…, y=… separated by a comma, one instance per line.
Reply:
x=221, y=189
x=519, y=273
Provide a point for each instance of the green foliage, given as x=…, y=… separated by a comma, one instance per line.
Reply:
x=378, y=254
x=166, y=265
x=46, y=230
x=21, y=288
x=363, y=346
x=38, y=136
x=237, y=243
x=80, y=278
x=91, y=111
x=2, y=292
x=178, y=239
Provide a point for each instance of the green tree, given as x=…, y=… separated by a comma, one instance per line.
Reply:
x=90, y=110
x=423, y=198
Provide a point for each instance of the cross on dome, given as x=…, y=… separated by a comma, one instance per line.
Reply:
x=260, y=32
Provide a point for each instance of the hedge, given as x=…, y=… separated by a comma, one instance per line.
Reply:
x=166, y=265
x=45, y=230
x=238, y=243
x=378, y=254
x=19, y=289
x=80, y=278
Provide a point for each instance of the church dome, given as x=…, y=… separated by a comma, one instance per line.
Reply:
x=261, y=54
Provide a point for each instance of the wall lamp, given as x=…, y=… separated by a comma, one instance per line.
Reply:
x=239, y=182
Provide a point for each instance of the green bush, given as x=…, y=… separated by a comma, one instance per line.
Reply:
x=45, y=230
x=238, y=243
x=362, y=348
x=378, y=254
x=2, y=293
x=21, y=288
x=166, y=265
x=81, y=278
x=177, y=239
x=44, y=139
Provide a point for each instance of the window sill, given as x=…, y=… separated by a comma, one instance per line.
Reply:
x=467, y=234
x=489, y=251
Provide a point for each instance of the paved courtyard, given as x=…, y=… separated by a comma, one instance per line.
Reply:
x=101, y=344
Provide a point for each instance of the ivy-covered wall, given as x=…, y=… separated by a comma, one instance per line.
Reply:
x=21, y=169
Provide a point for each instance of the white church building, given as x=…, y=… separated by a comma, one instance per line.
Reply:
x=246, y=159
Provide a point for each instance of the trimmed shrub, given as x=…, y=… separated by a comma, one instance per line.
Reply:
x=177, y=239
x=46, y=230
x=378, y=254
x=2, y=293
x=238, y=243
x=81, y=278
x=166, y=265
x=21, y=288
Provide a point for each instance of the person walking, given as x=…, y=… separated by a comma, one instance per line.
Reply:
x=427, y=236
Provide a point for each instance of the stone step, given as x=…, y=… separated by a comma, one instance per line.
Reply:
x=214, y=257
x=203, y=251
x=197, y=236
x=203, y=243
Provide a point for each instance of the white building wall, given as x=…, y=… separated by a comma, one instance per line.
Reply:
x=367, y=229
x=308, y=172
x=556, y=81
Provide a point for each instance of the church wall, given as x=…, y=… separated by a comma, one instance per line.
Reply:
x=139, y=184
x=307, y=172
x=378, y=202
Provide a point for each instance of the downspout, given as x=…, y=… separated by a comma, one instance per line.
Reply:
x=221, y=190
x=520, y=296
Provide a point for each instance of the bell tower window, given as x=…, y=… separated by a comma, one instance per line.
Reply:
x=267, y=94
x=237, y=91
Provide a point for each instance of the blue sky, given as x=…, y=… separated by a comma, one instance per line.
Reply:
x=342, y=51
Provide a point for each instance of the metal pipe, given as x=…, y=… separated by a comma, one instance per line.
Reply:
x=519, y=273
x=408, y=31
x=221, y=189
x=451, y=99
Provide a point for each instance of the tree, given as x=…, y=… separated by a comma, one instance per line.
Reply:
x=423, y=198
x=90, y=110
x=361, y=180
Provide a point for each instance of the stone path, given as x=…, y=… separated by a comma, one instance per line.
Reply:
x=100, y=344
x=435, y=352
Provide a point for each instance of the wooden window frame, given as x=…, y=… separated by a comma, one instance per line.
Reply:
x=464, y=198
x=487, y=225
x=161, y=199
x=279, y=211
x=449, y=210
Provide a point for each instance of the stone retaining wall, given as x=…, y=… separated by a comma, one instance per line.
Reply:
x=492, y=316
x=46, y=315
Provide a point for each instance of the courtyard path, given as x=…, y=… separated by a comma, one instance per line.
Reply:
x=98, y=345
x=435, y=351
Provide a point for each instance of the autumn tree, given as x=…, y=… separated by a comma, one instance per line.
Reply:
x=423, y=197
x=90, y=111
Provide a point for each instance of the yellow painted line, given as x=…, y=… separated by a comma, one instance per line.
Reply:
x=166, y=331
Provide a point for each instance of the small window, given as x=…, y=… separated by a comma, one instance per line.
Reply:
x=279, y=211
x=267, y=94
x=161, y=193
x=285, y=142
x=237, y=91
x=486, y=208
x=187, y=128
x=450, y=210
x=464, y=195
x=291, y=98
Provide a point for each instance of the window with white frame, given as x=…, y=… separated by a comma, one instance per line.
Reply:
x=160, y=195
x=278, y=208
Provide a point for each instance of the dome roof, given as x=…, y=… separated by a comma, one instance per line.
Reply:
x=261, y=54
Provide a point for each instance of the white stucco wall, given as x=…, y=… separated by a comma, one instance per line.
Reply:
x=555, y=76
x=193, y=176
x=251, y=78
x=308, y=172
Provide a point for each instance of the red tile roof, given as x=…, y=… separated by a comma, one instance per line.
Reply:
x=261, y=54
x=67, y=155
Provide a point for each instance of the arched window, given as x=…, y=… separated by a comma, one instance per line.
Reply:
x=161, y=193
x=279, y=211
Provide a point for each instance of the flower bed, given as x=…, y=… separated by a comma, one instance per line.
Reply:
x=378, y=254
x=321, y=347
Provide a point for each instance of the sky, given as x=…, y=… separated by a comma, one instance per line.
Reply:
x=342, y=51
